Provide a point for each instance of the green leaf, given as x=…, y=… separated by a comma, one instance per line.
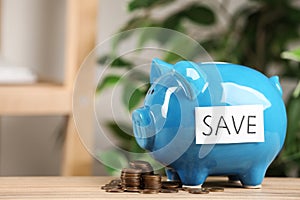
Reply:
x=293, y=126
x=294, y=14
x=200, y=14
x=291, y=149
x=137, y=22
x=291, y=55
x=138, y=75
x=179, y=50
x=171, y=57
x=121, y=62
x=117, y=40
x=136, y=99
x=123, y=133
x=146, y=36
x=108, y=81
x=114, y=161
x=132, y=96
x=138, y=4
x=118, y=132
x=134, y=147
x=296, y=93
x=117, y=62
x=173, y=21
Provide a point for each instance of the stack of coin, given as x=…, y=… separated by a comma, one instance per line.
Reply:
x=151, y=182
x=113, y=186
x=142, y=165
x=131, y=179
x=141, y=178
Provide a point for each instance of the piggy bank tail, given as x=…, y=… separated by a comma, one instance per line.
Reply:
x=275, y=81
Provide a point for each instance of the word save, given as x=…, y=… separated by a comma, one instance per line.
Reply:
x=229, y=124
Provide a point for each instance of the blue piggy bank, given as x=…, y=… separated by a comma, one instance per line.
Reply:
x=212, y=118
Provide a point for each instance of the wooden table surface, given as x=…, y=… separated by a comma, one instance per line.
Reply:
x=89, y=188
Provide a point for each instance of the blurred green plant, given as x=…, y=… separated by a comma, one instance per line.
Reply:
x=254, y=35
x=288, y=163
x=290, y=157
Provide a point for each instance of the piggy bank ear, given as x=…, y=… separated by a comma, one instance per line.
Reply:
x=159, y=68
x=192, y=78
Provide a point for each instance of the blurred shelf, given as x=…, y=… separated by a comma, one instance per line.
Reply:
x=35, y=99
x=52, y=99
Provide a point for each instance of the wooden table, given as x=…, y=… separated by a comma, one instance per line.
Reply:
x=89, y=188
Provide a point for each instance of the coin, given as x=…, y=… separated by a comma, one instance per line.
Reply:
x=168, y=190
x=152, y=187
x=130, y=185
x=141, y=178
x=198, y=191
x=116, y=190
x=106, y=187
x=215, y=189
x=103, y=187
x=171, y=184
x=131, y=179
x=149, y=191
x=138, y=176
x=132, y=189
x=186, y=189
x=153, y=176
x=143, y=165
x=115, y=182
x=152, y=182
x=131, y=171
x=139, y=163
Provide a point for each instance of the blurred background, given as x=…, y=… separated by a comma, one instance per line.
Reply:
x=261, y=34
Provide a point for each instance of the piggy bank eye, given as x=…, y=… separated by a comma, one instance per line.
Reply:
x=151, y=91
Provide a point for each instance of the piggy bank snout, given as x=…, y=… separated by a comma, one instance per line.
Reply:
x=141, y=117
x=143, y=127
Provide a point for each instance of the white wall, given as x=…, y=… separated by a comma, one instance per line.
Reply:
x=112, y=15
x=32, y=35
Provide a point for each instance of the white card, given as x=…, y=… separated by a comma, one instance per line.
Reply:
x=229, y=124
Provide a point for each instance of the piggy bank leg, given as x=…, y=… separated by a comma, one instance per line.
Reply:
x=172, y=174
x=192, y=177
x=253, y=178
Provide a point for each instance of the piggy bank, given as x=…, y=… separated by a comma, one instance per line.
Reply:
x=212, y=118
